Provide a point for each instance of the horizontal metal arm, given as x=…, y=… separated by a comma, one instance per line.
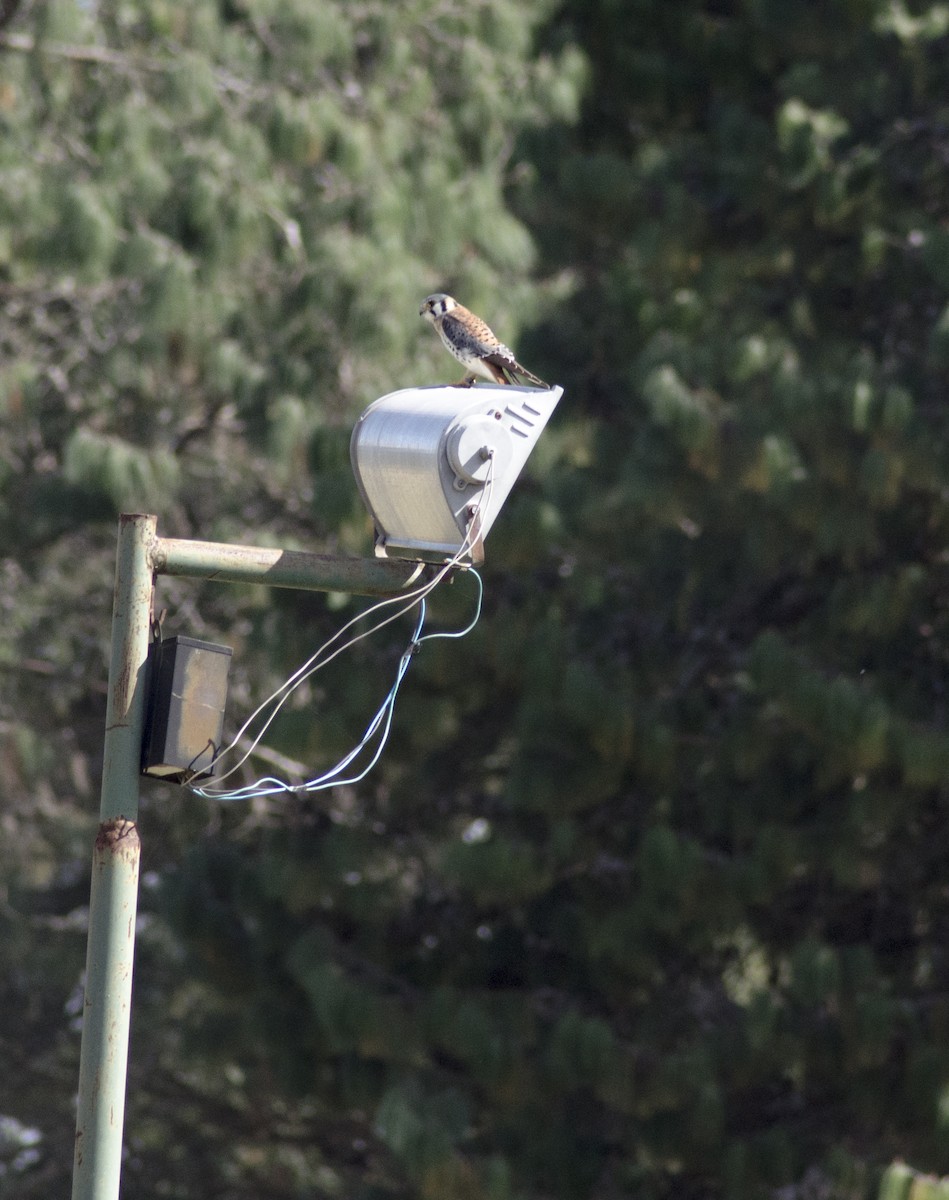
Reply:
x=284, y=568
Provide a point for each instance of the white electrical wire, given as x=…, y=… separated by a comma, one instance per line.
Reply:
x=269, y=785
x=382, y=721
x=318, y=660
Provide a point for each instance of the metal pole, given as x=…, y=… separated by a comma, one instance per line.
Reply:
x=114, y=894
x=284, y=568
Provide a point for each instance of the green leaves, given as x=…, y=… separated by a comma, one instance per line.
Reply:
x=806, y=138
x=133, y=479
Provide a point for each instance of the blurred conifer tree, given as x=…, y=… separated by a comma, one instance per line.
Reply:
x=216, y=224
x=647, y=896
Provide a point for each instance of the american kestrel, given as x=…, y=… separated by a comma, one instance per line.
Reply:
x=470, y=340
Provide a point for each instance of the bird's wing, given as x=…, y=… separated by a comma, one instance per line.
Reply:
x=470, y=333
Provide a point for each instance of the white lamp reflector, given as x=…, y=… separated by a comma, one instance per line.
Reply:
x=426, y=460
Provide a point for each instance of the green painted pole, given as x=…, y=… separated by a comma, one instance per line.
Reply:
x=284, y=568
x=114, y=894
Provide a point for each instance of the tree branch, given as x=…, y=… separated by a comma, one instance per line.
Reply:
x=8, y=10
x=26, y=44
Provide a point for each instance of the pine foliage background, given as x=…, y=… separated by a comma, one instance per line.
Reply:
x=647, y=895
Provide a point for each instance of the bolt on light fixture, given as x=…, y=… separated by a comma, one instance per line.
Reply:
x=434, y=465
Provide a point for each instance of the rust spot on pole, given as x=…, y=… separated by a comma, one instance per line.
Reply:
x=118, y=839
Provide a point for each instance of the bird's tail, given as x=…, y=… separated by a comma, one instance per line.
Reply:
x=519, y=370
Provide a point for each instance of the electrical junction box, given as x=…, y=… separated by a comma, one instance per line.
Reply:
x=187, y=694
x=434, y=465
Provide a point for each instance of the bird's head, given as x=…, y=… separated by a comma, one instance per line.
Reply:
x=436, y=306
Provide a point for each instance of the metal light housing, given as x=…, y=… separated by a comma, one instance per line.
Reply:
x=434, y=465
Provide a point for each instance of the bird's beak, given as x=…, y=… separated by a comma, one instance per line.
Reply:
x=423, y=310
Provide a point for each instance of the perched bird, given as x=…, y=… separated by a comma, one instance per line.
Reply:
x=470, y=340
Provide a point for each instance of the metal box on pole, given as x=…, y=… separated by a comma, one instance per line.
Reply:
x=187, y=696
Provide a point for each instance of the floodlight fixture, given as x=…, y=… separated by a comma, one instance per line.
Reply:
x=434, y=465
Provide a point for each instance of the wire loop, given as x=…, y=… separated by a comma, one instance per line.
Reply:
x=381, y=723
